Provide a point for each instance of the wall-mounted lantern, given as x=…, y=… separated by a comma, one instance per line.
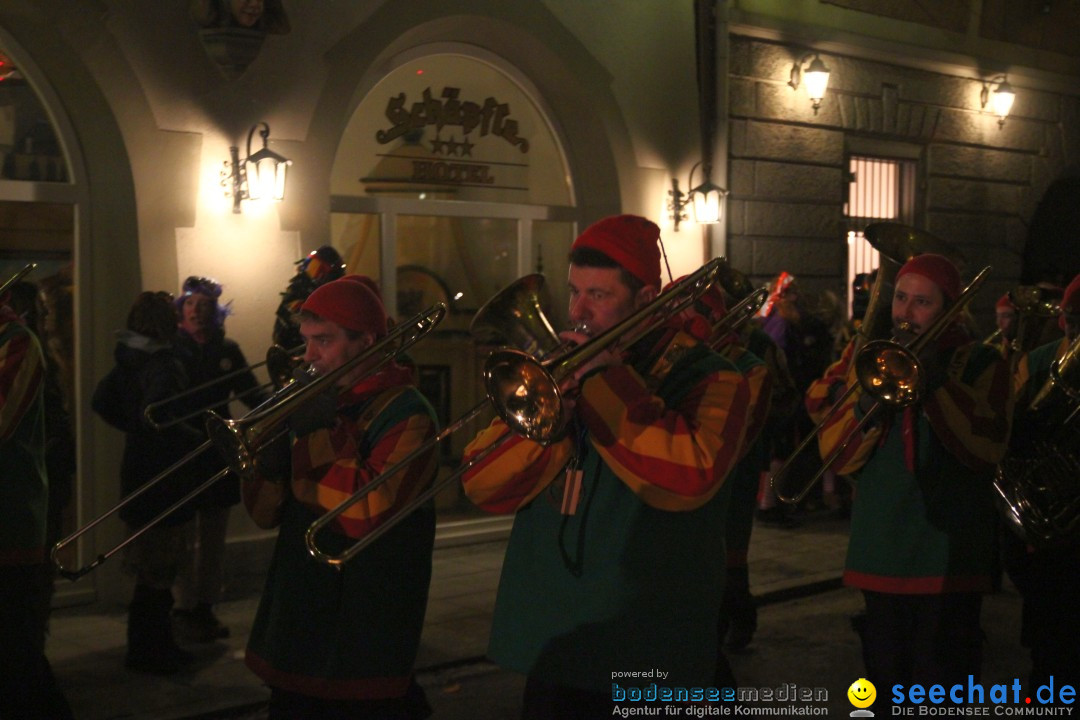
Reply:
x=708, y=200
x=261, y=175
x=814, y=77
x=1000, y=99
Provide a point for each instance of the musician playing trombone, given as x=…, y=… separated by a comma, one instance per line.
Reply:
x=922, y=539
x=1005, y=318
x=758, y=358
x=338, y=643
x=27, y=686
x=1048, y=576
x=615, y=561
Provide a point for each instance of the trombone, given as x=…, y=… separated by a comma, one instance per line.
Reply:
x=738, y=315
x=536, y=392
x=26, y=270
x=525, y=391
x=279, y=364
x=888, y=371
x=240, y=440
x=513, y=316
x=251, y=432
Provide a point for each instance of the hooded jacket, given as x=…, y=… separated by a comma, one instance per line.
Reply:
x=148, y=371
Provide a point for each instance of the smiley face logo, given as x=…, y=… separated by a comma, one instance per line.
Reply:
x=862, y=693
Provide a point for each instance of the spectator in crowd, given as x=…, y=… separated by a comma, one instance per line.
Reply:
x=218, y=373
x=149, y=371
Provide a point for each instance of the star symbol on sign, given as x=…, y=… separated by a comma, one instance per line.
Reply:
x=437, y=145
x=451, y=146
x=466, y=147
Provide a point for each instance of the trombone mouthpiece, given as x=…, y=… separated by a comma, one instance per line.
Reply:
x=583, y=328
x=905, y=327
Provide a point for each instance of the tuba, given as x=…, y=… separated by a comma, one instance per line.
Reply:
x=1038, y=481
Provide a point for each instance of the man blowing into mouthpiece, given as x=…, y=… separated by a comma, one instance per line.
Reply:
x=922, y=524
x=340, y=643
x=615, y=561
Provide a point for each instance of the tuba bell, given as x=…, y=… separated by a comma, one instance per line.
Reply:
x=1038, y=481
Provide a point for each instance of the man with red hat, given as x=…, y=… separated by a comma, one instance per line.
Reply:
x=1005, y=317
x=922, y=546
x=342, y=643
x=615, y=558
x=27, y=686
x=1048, y=576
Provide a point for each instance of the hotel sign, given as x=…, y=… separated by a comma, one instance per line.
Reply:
x=461, y=152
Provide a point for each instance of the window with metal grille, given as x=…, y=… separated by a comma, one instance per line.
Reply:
x=879, y=190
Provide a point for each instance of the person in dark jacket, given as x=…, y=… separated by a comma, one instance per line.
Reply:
x=215, y=364
x=148, y=371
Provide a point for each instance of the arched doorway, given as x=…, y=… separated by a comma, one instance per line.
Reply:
x=449, y=183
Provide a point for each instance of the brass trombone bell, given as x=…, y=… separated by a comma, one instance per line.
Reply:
x=517, y=317
x=281, y=364
x=735, y=283
x=889, y=372
x=525, y=391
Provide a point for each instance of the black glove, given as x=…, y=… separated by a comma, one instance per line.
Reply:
x=866, y=401
x=933, y=367
x=274, y=462
x=314, y=414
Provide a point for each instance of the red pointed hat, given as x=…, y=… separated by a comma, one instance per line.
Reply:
x=350, y=304
x=1004, y=303
x=1070, y=301
x=631, y=241
x=938, y=269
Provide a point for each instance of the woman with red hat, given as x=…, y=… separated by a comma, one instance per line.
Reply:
x=922, y=546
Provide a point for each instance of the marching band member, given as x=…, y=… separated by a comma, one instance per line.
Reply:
x=1049, y=577
x=614, y=561
x=756, y=355
x=341, y=643
x=317, y=268
x=1006, y=318
x=27, y=686
x=923, y=520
